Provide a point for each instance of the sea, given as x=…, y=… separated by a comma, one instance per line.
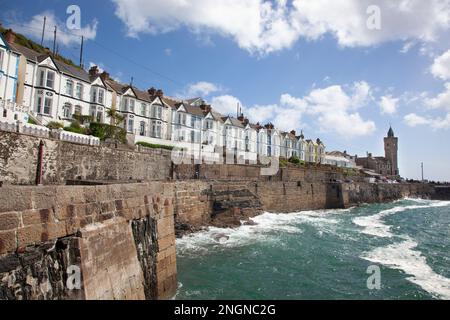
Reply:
x=397, y=251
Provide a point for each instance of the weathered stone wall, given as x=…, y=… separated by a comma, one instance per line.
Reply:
x=99, y=221
x=64, y=161
x=238, y=172
x=358, y=193
x=192, y=205
x=298, y=196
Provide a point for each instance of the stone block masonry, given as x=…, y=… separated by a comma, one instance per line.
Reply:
x=120, y=236
x=63, y=161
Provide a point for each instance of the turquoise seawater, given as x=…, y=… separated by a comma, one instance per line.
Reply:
x=323, y=255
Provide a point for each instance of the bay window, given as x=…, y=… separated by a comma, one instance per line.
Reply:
x=67, y=110
x=44, y=104
x=156, y=129
x=130, y=124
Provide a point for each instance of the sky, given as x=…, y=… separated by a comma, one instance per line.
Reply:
x=340, y=70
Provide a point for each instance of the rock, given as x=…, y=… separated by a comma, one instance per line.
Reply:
x=221, y=237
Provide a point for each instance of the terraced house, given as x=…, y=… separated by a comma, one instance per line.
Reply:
x=44, y=87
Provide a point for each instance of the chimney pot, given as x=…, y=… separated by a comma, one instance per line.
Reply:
x=10, y=36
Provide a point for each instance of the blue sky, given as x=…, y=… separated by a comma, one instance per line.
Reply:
x=311, y=65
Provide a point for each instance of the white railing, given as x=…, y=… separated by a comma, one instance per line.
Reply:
x=34, y=130
x=25, y=128
x=7, y=126
x=14, y=107
x=78, y=138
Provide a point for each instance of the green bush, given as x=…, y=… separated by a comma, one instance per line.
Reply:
x=105, y=131
x=154, y=146
x=82, y=119
x=294, y=160
x=283, y=162
x=79, y=130
x=31, y=121
x=54, y=125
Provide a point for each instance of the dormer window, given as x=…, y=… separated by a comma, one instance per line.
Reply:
x=181, y=118
x=98, y=95
x=157, y=111
x=128, y=104
x=47, y=78
x=101, y=96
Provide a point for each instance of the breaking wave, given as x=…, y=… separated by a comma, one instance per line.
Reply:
x=265, y=227
x=374, y=225
x=402, y=256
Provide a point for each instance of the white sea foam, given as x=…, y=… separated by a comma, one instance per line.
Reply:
x=267, y=227
x=375, y=226
x=402, y=256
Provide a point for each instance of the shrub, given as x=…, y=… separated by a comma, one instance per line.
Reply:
x=105, y=131
x=54, y=125
x=79, y=130
x=283, y=162
x=31, y=121
x=82, y=119
x=154, y=146
x=294, y=160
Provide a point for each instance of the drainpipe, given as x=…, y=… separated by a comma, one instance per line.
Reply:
x=40, y=163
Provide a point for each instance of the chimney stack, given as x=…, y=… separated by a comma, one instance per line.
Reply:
x=10, y=36
x=152, y=91
x=93, y=71
x=293, y=132
x=241, y=117
x=159, y=93
x=104, y=75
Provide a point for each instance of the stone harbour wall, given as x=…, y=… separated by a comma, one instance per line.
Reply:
x=45, y=229
x=63, y=161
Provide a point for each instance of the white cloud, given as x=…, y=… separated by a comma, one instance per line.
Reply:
x=414, y=120
x=332, y=109
x=262, y=26
x=65, y=36
x=202, y=88
x=226, y=104
x=168, y=51
x=407, y=47
x=388, y=104
x=335, y=109
x=442, y=100
x=441, y=66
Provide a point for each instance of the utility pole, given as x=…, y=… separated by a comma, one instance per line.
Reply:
x=54, y=41
x=43, y=31
x=422, y=170
x=81, y=52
